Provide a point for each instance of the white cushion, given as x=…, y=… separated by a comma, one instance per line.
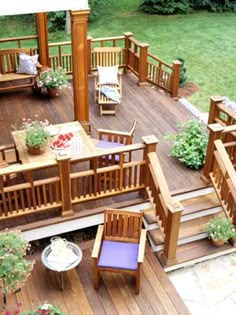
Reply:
x=108, y=75
x=27, y=64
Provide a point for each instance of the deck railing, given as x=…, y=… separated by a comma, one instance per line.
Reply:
x=71, y=181
x=168, y=211
x=134, y=57
x=221, y=125
x=223, y=178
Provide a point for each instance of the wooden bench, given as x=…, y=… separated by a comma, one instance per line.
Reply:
x=9, y=63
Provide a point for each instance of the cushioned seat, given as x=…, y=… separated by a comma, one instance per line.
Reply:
x=119, y=255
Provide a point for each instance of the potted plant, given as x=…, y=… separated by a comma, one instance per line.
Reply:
x=220, y=231
x=190, y=143
x=36, y=138
x=53, y=80
x=14, y=267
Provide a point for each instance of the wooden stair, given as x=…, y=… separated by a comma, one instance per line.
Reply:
x=200, y=205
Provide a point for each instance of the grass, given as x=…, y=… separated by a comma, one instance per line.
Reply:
x=205, y=40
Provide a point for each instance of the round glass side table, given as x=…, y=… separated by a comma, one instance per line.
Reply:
x=62, y=263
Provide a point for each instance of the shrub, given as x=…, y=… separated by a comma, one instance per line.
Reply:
x=183, y=74
x=190, y=143
x=166, y=6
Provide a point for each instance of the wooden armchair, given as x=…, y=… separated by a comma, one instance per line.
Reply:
x=120, y=245
x=108, y=82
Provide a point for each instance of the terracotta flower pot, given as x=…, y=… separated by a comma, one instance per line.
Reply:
x=218, y=243
x=54, y=92
x=36, y=150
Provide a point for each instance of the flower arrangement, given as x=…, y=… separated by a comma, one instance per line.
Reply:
x=55, y=79
x=14, y=267
x=221, y=229
x=36, y=135
x=44, y=309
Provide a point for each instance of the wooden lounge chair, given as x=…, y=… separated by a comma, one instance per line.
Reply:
x=107, y=84
x=120, y=245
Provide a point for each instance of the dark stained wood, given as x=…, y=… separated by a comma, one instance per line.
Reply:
x=155, y=112
x=115, y=295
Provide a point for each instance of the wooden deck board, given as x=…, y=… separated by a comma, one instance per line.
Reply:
x=155, y=112
x=116, y=293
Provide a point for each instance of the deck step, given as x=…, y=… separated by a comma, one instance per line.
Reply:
x=197, y=251
x=190, y=231
x=194, y=205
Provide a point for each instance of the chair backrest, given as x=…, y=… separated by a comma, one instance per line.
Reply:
x=107, y=56
x=9, y=59
x=122, y=225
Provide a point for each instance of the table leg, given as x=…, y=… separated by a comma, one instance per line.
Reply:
x=62, y=281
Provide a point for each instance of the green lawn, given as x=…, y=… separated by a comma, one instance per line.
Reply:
x=205, y=40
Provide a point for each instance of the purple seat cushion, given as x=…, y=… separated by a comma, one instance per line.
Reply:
x=103, y=144
x=119, y=255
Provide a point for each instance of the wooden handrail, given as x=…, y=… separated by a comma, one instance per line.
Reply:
x=14, y=39
x=168, y=211
x=223, y=178
x=159, y=60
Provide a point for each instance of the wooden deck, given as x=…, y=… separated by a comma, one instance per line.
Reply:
x=155, y=112
x=114, y=296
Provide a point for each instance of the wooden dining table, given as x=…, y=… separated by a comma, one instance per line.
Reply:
x=81, y=144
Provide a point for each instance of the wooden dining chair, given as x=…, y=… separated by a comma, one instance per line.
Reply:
x=120, y=245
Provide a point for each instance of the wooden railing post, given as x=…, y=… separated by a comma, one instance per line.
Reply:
x=127, y=35
x=215, y=133
x=64, y=173
x=151, y=143
x=176, y=73
x=172, y=234
x=89, y=52
x=143, y=65
x=214, y=110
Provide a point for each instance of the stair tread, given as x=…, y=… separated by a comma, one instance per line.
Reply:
x=188, y=228
x=191, y=205
x=196, y=250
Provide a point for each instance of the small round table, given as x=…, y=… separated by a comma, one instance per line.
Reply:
x=56, y=267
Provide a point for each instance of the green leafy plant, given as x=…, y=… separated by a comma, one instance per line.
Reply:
x=190, y=143
x=14, y=267
x=221, y=229
x=50, y=78
x=183, y=74
x=36, y=135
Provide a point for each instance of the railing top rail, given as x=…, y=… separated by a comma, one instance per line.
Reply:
x=104, y=39
x=162, y=184
x=226, y=110
x=226, y=160
x=12, y=39
x=59, y=44
x=159, y=60
x=43, y=164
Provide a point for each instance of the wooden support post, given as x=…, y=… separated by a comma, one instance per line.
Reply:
x=127, y=35
x=143, y=65
x=171, y=234
x=214, y=110
x=151, y=143
x=215, y=133
x=64, y=173
x=80, y=66
x=176, y=73
x=42, y=32
x=89, y=53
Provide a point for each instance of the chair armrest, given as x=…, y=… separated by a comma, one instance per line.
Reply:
x=97, y=242
x=142, y=245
